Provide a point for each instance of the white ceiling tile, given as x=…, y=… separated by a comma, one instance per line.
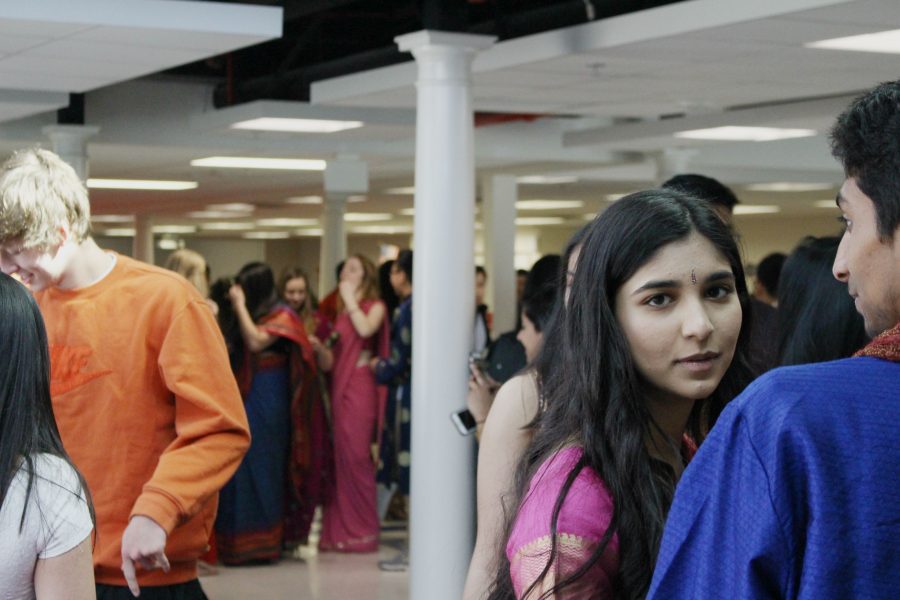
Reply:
x=119, y=53
x=166, y=38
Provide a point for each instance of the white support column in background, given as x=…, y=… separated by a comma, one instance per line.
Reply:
x=442, y=470
x=499, y=194
x=70, y=143
x=143, y=238
x=344, y=176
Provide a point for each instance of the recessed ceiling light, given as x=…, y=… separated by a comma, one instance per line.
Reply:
x=112, y=218
x=408, y=212
x=548, y=204
x=589, y=216
x=296, y=125
x=539, y=220
x=237, y=207
x=119, y=232
x=546, y=179
x=141, y=184
x=174, y=229
x=788, y=186
x=367, y=217
x=825, y=204
x=226, y=226
x=745, y=134
x=266, y=235
x=212, y=214
x=286, y=222
x=406, y=191
x=309, y=232
x=886, y=42
x=304, y=200
x=356, y=198
x=614, y=197
x=168, y=244
x=755, y=209
x=251, y=162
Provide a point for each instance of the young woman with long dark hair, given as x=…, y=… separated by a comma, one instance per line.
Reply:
x=653, y=346
x=46, y=516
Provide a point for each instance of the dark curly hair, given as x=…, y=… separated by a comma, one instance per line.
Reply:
x=866, y=139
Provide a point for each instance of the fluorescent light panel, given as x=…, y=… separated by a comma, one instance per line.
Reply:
x=756, y=209
x=408, y=212
x=174, y=229
x=119, y=232
x=548, y=204
x=286, y=222
x=405, y=191
x=297, y=125
x=885, y=42
x=366, y=217
x=309, y=232
x=745, y=134
x=227, y=226
x=141, y=184
x=266, y=235
x=304, y=200
x=237, y=207
x=546, y=179
x=539, y=220
x=789, y=186
x=253, y=162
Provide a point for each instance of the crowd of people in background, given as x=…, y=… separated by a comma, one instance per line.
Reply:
x=636, y=439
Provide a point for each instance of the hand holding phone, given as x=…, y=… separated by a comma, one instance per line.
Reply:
x=464, y=421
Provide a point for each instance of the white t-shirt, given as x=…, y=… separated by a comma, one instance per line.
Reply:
x=57, y=520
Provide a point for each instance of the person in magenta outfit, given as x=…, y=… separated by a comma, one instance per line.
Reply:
x=350, y=516
x=655, y=345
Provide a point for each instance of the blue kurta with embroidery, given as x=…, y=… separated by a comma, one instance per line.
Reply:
x=395, y=372
x=795, y=493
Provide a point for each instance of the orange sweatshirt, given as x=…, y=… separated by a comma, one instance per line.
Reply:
x=147, y=407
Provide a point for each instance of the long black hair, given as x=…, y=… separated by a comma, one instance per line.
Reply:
x=258, y=283
x=27, y=425
x=597, y=399
x=817, y=318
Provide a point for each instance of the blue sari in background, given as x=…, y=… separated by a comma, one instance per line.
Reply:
x=269, y=503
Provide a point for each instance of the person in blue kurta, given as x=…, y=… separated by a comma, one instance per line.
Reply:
x=395, y=372
x=796, y=492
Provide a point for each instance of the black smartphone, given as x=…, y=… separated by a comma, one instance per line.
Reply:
x=464, y=421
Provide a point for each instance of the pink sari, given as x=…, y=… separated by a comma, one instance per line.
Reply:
x=583, y=519
x=350, y=517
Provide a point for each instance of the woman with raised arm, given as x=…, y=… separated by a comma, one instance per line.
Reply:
x=350, y=517
x=653, y=346
x=46, y=516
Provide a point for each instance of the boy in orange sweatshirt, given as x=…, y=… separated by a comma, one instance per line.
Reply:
x=142, y=389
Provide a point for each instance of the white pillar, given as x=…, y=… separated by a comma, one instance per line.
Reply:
x=673, y=161
x=333, y=247
x=442, y=470
x=344, y=176
x=500, y=193
x=143, y=238
x=70, y=143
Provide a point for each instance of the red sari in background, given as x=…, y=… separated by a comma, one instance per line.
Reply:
x=350, y=517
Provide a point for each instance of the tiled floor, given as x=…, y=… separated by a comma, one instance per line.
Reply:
x=328, y=576
x=324, y=577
